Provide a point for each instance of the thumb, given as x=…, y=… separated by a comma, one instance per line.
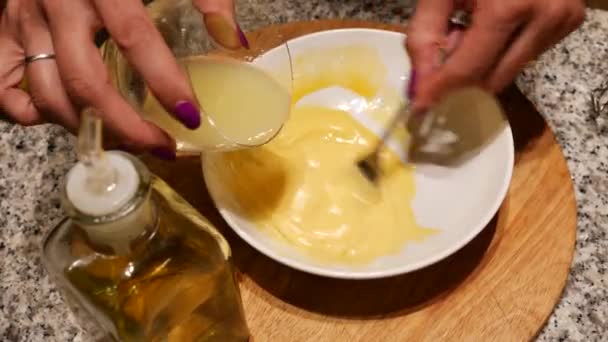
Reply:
x=426, y=33
x=421, y=103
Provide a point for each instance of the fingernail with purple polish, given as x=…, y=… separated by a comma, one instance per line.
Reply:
x=163, y=153
x=188, y=114
x=411, y=86
x=242, y=37
x=225, y=31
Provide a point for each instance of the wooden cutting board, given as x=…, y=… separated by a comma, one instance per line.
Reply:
x=500, y=287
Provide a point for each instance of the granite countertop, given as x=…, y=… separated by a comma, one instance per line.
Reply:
x=34, y=160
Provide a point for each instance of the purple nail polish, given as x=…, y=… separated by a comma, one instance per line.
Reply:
x=188, y=114
x=242, y=37
x=411, y=86
x=163, y=153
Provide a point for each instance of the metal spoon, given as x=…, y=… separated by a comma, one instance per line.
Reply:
x=369, y=165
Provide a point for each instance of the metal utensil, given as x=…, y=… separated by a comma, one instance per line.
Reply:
x=369, y=165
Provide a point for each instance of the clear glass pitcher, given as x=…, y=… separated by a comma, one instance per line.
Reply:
x=233, y=115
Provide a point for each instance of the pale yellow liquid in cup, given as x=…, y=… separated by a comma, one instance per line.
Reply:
x=304, y=188
x=241, y=106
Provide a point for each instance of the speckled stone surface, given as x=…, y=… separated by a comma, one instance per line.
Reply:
x=560, y=85
x=34, y=160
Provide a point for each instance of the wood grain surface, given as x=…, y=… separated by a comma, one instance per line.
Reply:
x=500, y=287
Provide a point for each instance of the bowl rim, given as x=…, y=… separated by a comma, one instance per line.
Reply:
x=483, y=221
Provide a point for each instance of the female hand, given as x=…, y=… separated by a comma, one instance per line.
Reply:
x=60, y=87
x=502, y=38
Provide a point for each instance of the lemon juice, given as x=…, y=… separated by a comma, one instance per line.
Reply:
x=241, y=106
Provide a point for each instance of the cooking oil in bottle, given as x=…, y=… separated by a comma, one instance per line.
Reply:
x=134, y=260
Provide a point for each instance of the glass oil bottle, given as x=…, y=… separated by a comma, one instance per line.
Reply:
x=134, y=260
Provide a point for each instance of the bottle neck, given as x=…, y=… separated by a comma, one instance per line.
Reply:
x=118, y=232
x=122, y=235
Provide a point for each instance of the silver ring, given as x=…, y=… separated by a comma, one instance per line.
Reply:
x=461, y=18
x=32, y=59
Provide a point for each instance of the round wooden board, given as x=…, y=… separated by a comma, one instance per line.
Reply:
x=500, y=287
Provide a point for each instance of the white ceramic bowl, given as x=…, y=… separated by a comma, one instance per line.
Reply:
x=458, y=201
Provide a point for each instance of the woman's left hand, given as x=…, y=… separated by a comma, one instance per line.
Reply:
x=60, y=87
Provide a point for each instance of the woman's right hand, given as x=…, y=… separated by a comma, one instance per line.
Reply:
x=59, y=88
x=504, y=36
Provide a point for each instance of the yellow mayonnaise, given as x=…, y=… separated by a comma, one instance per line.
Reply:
x=354, y=67
x=304, y=187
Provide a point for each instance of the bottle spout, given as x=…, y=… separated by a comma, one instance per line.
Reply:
x=101, y=177
x=101, y=182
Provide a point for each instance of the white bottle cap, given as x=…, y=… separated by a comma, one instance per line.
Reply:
x=89, y=197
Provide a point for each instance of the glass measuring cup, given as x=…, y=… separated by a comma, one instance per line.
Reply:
x=243, y=103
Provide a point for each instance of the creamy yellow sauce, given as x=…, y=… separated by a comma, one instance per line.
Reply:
x=358, y=68
x=304, y=188
x=354, y=67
